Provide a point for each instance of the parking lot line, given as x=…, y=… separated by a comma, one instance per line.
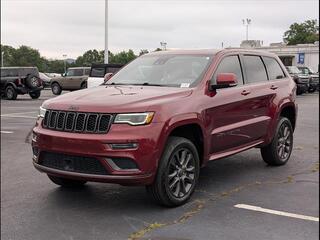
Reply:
x=19, y=115
x=275, y=212
x=5, y=131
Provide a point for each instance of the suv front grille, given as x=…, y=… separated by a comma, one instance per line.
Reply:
x=71, y=163
x=77, y=121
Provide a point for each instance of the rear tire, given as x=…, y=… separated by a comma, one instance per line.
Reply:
x=83, y=85
x=279, y=150
x=65, y=182
x=178, y=173
x=56, y=88
x=35, y=95
x=11, y=93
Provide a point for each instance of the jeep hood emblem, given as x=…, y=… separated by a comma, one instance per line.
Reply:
x=73, y=108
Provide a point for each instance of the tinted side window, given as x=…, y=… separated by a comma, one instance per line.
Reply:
x=4, y=73
x=230, y=64
x=255, y=69
x=273, y=68
x=112, y=70
x=78, y=72
x=97, y=72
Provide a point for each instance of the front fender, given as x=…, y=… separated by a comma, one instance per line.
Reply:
x=178, y=121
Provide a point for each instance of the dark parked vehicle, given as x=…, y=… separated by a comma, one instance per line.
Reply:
x=302, y=80
x=20, y=80
x=314, y=78
x=74, y=79
x=165, y=115
x=98, y=72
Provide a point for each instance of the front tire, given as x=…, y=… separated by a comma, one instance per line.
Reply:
x=178, y=173
x=65, y=182
x=11, y=93
x=279, y=150
x=56, y=88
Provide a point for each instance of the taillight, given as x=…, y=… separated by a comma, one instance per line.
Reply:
x=18, y=81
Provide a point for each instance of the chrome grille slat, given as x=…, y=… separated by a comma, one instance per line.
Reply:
x=92, y=121
x=79, y=122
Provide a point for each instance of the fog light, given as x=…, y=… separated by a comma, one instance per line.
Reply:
x=124, y=145
x=123, y=164
x=34, y=137
x=35, y=151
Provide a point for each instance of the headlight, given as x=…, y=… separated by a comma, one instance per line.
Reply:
x=42, y=112
x=134, y=118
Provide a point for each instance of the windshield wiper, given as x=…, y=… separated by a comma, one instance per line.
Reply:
x=148, y=84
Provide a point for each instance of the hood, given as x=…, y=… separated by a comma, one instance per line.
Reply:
x=113, y=99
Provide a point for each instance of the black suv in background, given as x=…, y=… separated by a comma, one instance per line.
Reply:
x=20, y=80
x=302, y=80
x=314, y=78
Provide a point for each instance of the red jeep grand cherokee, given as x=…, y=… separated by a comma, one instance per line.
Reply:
x=165, y=115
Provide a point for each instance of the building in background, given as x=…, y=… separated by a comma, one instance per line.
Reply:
x=291, y=55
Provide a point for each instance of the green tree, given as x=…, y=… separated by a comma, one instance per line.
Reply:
x=122, y=57
x=306, y=32
x=89, y=57
x=8, y=55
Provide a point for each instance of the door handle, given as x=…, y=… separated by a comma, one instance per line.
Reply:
x=245, y=92
x=273, y=87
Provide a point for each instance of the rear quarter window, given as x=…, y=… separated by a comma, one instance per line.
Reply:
x=255, y=69
x=97, y=72
x=274, y=69
x=112, y=70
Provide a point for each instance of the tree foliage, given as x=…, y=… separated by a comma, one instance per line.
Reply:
x=306, y=32
x=26, y=56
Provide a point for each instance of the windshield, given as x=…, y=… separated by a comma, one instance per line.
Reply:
x=293, y=69
x=163, y=70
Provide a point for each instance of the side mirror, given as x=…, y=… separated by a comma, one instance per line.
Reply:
x=225, y=80
x=63, y=74
x=107, y=77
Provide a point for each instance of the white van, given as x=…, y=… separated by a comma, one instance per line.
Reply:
x=98, y=71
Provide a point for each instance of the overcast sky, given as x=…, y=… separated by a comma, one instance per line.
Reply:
x=55, y=27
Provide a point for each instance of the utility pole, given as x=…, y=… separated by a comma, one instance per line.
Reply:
x=163, y=45
x=246, y=23
x=65, y=62
x=106, y=53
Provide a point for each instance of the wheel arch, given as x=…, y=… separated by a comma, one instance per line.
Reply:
x=289, y=111
x=190, y=128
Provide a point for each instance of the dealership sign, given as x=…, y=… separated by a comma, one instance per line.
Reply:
x=300, y=58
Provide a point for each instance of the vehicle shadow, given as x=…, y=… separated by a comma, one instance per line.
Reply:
x=214, y=178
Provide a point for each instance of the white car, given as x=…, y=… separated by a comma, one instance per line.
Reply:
x=98, y=72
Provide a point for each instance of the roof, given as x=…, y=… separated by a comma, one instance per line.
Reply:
x=187, y=51
x=209, y=51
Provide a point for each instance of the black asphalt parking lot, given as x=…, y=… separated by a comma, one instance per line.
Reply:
x=34, y=208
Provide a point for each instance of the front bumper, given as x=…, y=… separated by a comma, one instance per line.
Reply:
x=98, y=146
x=302, y=87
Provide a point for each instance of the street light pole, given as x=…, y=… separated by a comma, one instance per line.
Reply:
x=106, y=33
x=65, y=62
x=246, y=22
